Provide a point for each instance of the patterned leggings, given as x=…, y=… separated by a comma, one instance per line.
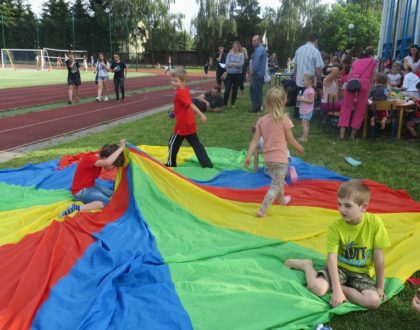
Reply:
x=278, y=172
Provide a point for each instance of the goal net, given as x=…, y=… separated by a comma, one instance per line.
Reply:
x=24, y=59
x=56, y=57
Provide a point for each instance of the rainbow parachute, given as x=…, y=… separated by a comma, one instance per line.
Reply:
x=178, y=250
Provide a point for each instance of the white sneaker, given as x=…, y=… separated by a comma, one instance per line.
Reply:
x=106, y=98
x=286, y=199
x=98, y=99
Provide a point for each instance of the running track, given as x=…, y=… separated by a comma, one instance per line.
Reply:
x=29, y=128
x=12, y=98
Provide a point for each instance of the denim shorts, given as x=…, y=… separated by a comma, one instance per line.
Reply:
x=306, y=116
x=94, y=194
x=103, y=78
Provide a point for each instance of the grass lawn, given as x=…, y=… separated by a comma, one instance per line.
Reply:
x=394, y=164
x=28, y=77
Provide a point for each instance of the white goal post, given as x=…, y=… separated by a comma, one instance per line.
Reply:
x=58, y=56
x=16, y=58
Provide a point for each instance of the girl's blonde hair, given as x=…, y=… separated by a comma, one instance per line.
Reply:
x=310, y=77
x=275, y=102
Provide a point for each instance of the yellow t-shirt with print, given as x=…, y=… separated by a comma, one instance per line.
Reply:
x=354, y=244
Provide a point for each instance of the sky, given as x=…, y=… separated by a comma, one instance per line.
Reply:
x=188, y=7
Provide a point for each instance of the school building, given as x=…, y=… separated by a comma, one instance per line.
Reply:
x=400, y=28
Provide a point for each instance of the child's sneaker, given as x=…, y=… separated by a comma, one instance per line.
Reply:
x=72, y=208
x=98, y=99
x=286, y=200
x=293, y=174
x=260, y=214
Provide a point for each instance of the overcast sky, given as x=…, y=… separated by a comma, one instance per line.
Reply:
x=188, y=7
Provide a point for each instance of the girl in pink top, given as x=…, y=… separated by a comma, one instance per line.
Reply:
x=306, y=108
x=276, y=130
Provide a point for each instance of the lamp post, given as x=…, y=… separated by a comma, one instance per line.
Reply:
x=37, y=31
x=108, y=11
x=74, y=35
x=127, y=14
x=351, y=28
x=2, y=30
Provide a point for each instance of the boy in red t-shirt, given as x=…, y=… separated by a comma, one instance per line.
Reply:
x=88, y=170
x=185, y=126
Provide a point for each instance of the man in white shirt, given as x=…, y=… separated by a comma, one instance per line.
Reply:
x=307, y=60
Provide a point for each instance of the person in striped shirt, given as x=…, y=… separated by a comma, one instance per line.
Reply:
x=307, y=59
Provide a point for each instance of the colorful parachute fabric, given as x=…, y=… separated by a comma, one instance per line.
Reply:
x=178, y=250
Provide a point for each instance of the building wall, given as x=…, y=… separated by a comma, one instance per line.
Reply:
x=400, y=27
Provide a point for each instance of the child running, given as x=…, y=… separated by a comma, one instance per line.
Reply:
x=306, y=108
x=185, y=126
x=355, y=244
x=276, y=130
x=73, y=77
x=88, y=170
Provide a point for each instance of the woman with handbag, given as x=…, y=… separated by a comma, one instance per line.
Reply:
x=357, y=93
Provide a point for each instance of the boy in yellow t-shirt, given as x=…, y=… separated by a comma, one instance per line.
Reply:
x=355, y=245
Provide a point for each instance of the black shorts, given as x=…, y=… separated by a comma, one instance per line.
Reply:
x=74, y=81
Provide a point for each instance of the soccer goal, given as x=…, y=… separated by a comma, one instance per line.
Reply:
x=56, y=57
x=24, y=59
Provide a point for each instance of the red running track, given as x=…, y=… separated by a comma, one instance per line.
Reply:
x=12, y=98
x=30, y=128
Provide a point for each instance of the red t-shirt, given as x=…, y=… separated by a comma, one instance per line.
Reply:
x=86, y=173
x=184, y=115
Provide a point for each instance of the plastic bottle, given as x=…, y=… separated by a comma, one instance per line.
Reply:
x=322, y=327
x=298, y=102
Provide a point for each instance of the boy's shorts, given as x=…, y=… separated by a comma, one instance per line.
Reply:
x=306, y=116
x=359, y=281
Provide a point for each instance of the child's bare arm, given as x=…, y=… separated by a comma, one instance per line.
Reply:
x=337, y=296
x=112, y=158
x=378, y=260
x=292, y=141
x=197, y=111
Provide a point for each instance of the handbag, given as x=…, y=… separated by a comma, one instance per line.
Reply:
x=224, y=75
x=97, y=72
x=267, y=74
x=354, y=84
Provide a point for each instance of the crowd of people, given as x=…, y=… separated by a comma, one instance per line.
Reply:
x=347, y=85
x=355, y=261
x=101, y=68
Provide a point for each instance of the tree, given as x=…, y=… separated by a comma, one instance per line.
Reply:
x=55, y=29
x=247, y=20
x=335, y=34
x=214, y=25
x=19, y=24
